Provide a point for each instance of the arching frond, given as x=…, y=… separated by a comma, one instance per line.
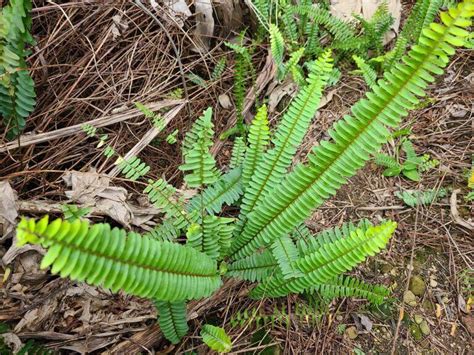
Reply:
x=277, y=45
x=218, y=69
x=117, y=260
x=354, y=138
x=255, y=267
x=166, y=231
x=132, y=168
x=227, y=189
x=258, y=138
x=414, y=198
x=285, y=253
x=309, y=244
x=172, y=319
x=289, y=134
x=238, y=153
x=369, y=74
x=328, y=261
x=198, y=161
x=345, y=286
x=162, y=195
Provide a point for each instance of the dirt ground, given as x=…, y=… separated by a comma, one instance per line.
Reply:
x=84, y=70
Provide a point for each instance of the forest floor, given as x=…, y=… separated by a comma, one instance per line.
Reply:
x=93, y=61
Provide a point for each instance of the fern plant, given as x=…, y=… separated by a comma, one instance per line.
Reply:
x=17, y=89
x=268, y=241
x=414, y=198
x=411, y=167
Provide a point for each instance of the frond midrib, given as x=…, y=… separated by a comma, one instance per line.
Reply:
x=348, y=146
x=115, y=259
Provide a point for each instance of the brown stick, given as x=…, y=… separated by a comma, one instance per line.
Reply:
x=26, y=140
x=266, y=75
x=148, y=137
x=46, y=207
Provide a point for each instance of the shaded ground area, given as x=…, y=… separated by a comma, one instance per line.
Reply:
x=84, y=71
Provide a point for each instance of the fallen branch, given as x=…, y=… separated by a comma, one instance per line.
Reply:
x=48, y=207
x=26, y=140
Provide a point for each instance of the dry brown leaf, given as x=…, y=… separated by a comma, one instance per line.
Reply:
x=366, y=8
x=279, y=91
x=12, y=341
x=14, y=251
x=178, y=11
x=8, y=210
x=92, y=189
x=90, y=344
x=224, y=101
x=118, y=26
x=33, y=319
x=344, y=9
x=204, y=25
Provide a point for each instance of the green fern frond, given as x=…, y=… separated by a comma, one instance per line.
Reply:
x=369, y=74
x=289, y=24
x=340, y=30
x=345, y=286
x=205, y=239
x=295, y=57
x=166, y=231
x=17, y=88
x=422, y=14
x=72, y=212
x=243, y=66
x=414, y=198
x=171, y=138
x=307, y=244
x=285, y=253
x=198, y=160
x=155, y=118
x=162, y=195
x=212, y=237
x=386, y=160
x=89, y=129
x=172, y=320
x=227, y=189
x=375, y=29
x=329, y=261
x=354, y=138
x=196, y=79
x=109, y=151
x=117, y=260
x=238, y=153
x=312, y=46
x=258, y=138
x=290, y=133
x=224, y=233
x=255, y=267
x=218, y=69
x=132, y=168
x=277, y=45
x=216, y=338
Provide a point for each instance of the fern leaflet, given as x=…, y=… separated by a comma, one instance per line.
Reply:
x=216, y=338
